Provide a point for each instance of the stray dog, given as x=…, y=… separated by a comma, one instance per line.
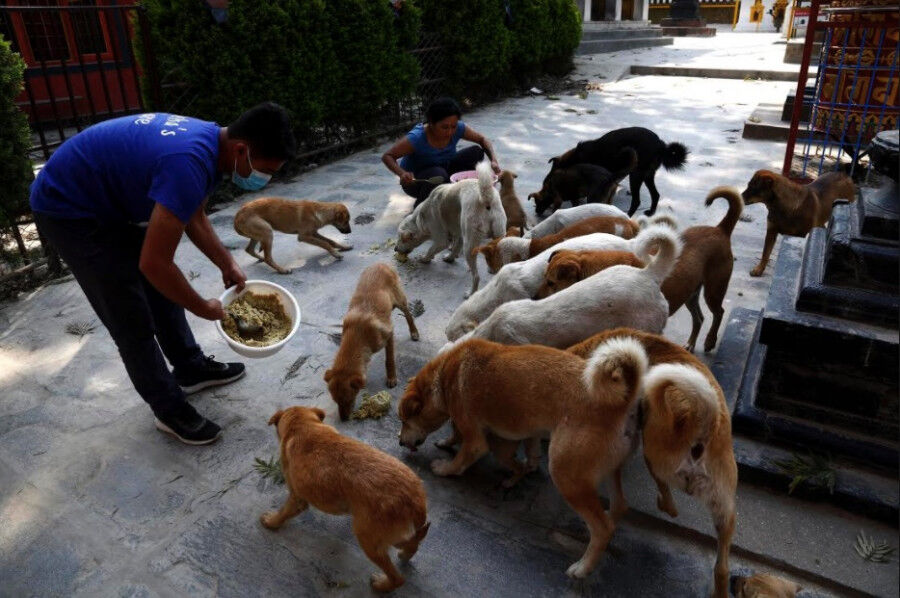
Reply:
x=515, y=214
x=794, y=209
x=506, y=250
x=521, y=280
x=560, y=219
x=488, y=388
x=568, y=267
x=571, y=183
x=459, y=214
x=705, y=263
x=686, y=434
x=367, y=329
x=763, y=585
x=257, y=220
x=617, y=296
x=342, y=476
x=651, y=150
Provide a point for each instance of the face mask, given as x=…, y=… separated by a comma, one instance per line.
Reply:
x=255, y=181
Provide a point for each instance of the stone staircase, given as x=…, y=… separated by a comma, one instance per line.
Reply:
x=612, y=36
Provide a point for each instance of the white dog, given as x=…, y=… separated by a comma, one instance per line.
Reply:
x=521, y=280
x=617, y=296
x=560, y=219
x=458, y=215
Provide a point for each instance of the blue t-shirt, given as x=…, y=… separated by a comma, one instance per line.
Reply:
x=424, y=155
x=119, y=169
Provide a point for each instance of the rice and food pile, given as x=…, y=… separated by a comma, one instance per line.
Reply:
x=373, y=406
x=258, y=310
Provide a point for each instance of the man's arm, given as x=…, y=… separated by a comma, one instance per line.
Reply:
x=157, y=264
x=200, y=231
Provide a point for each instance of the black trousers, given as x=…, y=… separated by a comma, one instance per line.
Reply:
x=104, y=259
x=465, y=159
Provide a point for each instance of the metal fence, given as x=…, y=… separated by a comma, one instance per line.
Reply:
x=856, y=91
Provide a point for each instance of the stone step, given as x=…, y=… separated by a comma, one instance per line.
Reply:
x=616, y=45
x=718, y=73
x=620, y=33
x=602, y=25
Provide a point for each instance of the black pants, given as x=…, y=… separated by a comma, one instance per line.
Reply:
x=463, y=160
x=104, y=260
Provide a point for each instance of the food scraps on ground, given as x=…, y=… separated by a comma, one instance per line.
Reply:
x=373, y=406
x=257, y=309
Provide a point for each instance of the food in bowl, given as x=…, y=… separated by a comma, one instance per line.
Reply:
x=257, y=311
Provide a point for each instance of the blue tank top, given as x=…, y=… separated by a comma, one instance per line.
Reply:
x=424, y=155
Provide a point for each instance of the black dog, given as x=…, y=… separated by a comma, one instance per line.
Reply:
x=652, y=153
x=593, y=182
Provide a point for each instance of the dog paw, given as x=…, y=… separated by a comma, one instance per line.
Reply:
x=689, y=347
x=345, y=248
x=414, y=335
x=337, y=256
x=424, y=259
x=284, y=271
x=709, y=345
x=757, y=271
x=269, y=520
x=382, y=583
x=442, y=467
x=578, y=570
x=449, y=259
x=446, y=444
x=667, y=507
x=649, y=212
x=391, y=382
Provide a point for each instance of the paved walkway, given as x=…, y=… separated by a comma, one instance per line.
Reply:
x=95, y=502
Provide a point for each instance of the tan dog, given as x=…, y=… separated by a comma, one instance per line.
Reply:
x=506, y=250
x=367, y=329
x=686, y=433
x=794, y=209
x=258, y=219
x=342, y=476
x=567, y=267
x=763, y=585
x=489, y=388
x=515, y=213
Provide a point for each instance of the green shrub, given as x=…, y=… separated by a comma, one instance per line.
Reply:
x=15, y=138
x=566, y=30
x=532, y=31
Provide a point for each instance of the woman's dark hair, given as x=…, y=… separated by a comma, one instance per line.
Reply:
x=441, y=108
x=267, y=128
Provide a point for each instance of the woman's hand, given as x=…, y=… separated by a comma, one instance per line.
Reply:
x=212, y=310
x=407, y=178
x=495, y=166
x=233, y=275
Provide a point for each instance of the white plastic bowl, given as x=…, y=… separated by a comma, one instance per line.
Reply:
x=468, y=174
x=290, y=308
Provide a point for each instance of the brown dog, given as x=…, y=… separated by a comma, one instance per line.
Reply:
x=686, y=433
x=367, y=328
x=515, y=213
x=342, y=476
x=794, y=209
x=567, y=267
x=258, y=219
x=488, y=388
x=506, y=250
x=763, y=585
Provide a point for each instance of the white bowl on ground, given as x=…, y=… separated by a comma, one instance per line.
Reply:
x=261, y=287
x=468, y=174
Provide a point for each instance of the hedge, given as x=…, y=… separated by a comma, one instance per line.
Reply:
x=15, y=138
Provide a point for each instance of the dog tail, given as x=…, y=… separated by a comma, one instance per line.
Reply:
x=485, y=183
x=674, y=156
x=662, y=241
x=660, y=218
x=735, y=206
x=615, y=370
x=688, y=395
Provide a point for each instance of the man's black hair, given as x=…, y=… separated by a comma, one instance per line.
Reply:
x=441, y=108
x=267, y=128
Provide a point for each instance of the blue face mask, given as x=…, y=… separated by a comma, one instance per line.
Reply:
x=255, y=181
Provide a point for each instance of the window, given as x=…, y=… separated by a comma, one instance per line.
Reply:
x=45, y=32
x=87, y=29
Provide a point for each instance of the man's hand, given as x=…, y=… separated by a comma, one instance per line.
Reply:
x=212, y=310
x=233, y=275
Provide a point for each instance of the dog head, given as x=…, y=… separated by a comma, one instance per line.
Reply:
x=409, y=235
x=547, y=196
x=457, y=329
x=421, y=408
x=491, y=253
x=761, y=188
x=563, y=271
x=762, y=585
x=506, y=179
x=343, y=388
x=341, y=218
x=286, y=419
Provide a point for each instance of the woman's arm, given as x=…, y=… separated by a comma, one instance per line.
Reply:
x=474, y=136
x=403, y=147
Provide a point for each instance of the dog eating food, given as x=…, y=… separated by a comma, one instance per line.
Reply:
x=257, y=311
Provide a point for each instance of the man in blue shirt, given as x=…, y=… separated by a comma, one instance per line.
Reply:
x=115, y=201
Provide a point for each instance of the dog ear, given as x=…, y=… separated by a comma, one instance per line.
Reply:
x=531, y=197
x=328, y=375
x=410, y=406
x=276, y=417
x=514, y=175
x=570, y=269
x=552, y=255
x=319, y=413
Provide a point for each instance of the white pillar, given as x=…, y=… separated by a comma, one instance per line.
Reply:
x=587, y=11
x=618, y=15
x=645, y=10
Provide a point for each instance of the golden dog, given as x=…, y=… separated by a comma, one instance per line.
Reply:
x=567, y=267
x=763, y=585
x=342, y=476
x=515, y=213
x=367, y=329
x=588, y=408
x=258, y=219
x=794, y=209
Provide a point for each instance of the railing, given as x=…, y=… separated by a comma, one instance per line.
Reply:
x=857, y=91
